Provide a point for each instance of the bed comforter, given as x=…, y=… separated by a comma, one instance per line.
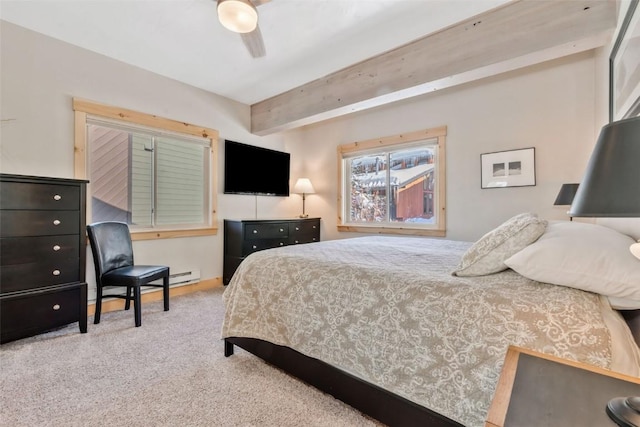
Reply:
x=388, y=310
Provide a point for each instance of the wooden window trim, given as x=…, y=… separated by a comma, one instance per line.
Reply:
x=83, y=108
x=440, y=134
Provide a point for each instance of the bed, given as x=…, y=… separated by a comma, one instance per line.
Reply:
x=382, y=324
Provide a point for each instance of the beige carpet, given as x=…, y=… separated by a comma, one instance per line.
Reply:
x=169, y=372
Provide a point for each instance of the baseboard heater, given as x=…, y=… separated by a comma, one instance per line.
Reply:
x=178, y=279
x=184, y=278
x=175, y=280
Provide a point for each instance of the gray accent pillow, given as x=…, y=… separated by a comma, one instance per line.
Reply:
x=487, y=255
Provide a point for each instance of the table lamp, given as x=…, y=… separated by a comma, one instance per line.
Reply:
x=303, y=186
x=611, y=188
x=565, y=196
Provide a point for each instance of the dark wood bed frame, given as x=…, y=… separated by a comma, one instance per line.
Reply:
x=376, y=402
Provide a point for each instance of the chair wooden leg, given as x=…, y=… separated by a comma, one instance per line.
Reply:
x=127, y=303
x=137, y=305
x=165, y=292
x=96, y=316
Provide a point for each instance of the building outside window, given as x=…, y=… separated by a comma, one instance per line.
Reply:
x=394, y=184
x=147, y=179
x=155, y=174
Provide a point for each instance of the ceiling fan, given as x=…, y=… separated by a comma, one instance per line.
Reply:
x=241, y=16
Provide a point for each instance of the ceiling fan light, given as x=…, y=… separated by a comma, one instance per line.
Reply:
x=239, y=16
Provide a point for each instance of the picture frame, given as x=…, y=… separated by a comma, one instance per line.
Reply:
x=512, y=168
x=624, y=68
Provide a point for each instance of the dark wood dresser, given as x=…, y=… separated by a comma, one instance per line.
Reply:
x=42, y=255
x=243, y=237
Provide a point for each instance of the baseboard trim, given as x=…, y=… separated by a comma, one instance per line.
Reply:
x=156, y=295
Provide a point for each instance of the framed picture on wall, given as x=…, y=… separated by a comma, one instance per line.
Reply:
x=514, y=168
x=624, y=68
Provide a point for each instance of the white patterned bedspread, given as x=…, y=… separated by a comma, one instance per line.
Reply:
x=388, y=310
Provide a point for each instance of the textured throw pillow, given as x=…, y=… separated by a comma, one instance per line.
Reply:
x=583, y=256
x=487, y=255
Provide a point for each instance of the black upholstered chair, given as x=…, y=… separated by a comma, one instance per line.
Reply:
x=113, y=258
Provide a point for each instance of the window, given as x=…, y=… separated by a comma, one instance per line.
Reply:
x=143, y=172
x=394, y=184
x=145, y=179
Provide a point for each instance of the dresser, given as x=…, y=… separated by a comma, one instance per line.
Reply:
x=42, y=255
x=243, y=237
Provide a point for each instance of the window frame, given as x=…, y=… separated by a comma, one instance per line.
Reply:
x=83, y=109
x=386, y=143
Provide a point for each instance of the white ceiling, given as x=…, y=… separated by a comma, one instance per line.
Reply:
x=183, y=40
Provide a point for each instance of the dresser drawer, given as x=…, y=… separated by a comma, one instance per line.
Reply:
x=258, y=245
x=25, y=250
x=30, y=313
x=266, y=231
x=304, y=228
x=25, y=195
x=21, y=277
x=15, y=223
x=304, y=238
x=306, y=231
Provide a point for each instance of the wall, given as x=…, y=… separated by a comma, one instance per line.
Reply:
x=41, y=75
x=550, y=106
x=555, y=107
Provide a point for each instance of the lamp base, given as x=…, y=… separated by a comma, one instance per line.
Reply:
x=303, y=216
x=625, y=412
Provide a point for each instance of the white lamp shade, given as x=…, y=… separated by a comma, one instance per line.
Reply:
x=239, y=16
x=303, y=186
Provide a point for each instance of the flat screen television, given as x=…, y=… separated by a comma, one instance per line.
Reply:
x=254, y=170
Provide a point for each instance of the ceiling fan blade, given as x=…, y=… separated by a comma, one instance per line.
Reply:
x=259, y=2
x=254, y=43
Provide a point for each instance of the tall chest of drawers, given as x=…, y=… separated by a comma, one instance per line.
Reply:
x=243, y=237
x=42, y=255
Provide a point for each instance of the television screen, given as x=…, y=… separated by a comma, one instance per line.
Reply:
x=254, y=170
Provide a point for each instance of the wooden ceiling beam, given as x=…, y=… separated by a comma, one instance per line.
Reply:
x=512, y=36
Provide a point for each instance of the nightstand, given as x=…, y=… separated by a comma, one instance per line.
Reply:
x=539, y=390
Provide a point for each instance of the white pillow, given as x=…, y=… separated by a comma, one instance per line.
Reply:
x=583, y=256
x=487, y=255
x=623, y=303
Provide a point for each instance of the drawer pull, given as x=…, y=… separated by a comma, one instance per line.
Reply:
x=314, y=239
x=255, y=247
x=314, y=226
x=56, y=222
x=297, y=242
x=255, y=231
x=56, y=248
x=56, y=272
x=281, y=230
x=297, y=228
x=57, y=197
x=56, y=307
x=281, y=244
